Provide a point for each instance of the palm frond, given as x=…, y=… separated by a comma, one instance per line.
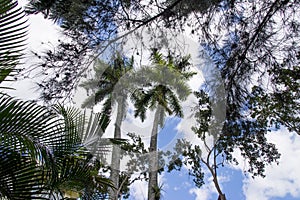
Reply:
x=13, y=31
x=141, y=101
x=107, y=106
x=45, y=149
x=165, y=85
x=21, y=177
x=80, y=176
x=174, y=103
x=106, y=81
x=86, y=132
x=28, y=128
x=89, y=102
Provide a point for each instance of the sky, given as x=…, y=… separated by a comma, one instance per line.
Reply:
x=282, y=182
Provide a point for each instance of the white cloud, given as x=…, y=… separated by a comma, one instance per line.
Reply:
x=139, y=189
x=208, y=191
x=280, y=180
x=39, y=30
x=203, y=193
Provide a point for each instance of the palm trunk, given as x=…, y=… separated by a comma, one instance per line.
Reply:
x=153, y=159
x=115, y=161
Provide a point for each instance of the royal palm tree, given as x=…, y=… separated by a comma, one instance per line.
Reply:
x=166, y=85
x=106, y=87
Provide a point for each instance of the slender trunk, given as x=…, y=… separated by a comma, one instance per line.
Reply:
x=215, y=176
x=213, y=170
x=115, y=161
x=216, y=183
x=222, y=197
x=217, y=186
x=153, y=159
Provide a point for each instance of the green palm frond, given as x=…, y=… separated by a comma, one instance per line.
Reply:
x=43, y=149
x=165, y=85
x=21, y=177
x=27, y=133
x=89, y=84
x=89, y=102
x=13, y=31
x=85, y=132
x=28, y=128
x=106, y=82
x=78, y=171
x=141, y=102
x=174, y=104
x=103, y=92
x=107, y=105
x=80, y=176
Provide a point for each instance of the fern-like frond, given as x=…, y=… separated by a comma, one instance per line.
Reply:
x=44, y=149
x=13, y=31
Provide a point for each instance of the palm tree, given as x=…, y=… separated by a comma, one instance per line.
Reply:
x=106, y=87
x=41, y=151
x=43, y=154
x=166, y=87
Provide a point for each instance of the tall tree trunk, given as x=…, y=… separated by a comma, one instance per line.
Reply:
x=153, y=159
x=213, y=170
x=115, y=161
x=222, y=197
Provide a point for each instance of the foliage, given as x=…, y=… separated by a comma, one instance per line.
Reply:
x=254, y=44
x=94, y=27
x=42, y=152
x=13, y=31
x=110, y=84
x=91, y=18
x=106, y=82
x=258, y=39
x=281, y=105
x=59, y=68
x=165, y=85
x=46, y=152
x=256, y=52
x=189, y=155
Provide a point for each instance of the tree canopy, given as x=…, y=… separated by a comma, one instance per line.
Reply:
x=253, y=44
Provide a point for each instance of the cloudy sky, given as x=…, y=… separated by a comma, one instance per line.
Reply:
x=282, y=181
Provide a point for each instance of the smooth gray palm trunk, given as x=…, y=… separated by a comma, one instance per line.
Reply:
x=115, y=161
x=153, y=159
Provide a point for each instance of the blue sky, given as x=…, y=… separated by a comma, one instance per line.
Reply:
x=235, y=183
x=281, y=183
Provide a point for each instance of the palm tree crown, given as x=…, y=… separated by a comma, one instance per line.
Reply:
x=165, y=85
x=106, y=77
